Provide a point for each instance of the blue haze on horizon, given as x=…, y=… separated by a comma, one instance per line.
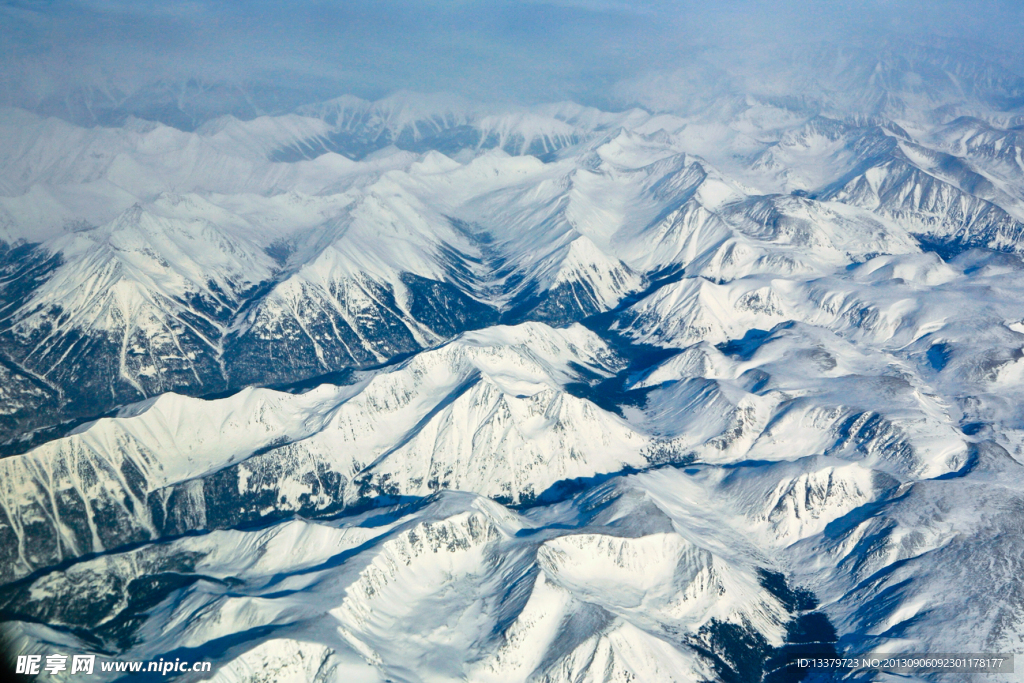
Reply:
x=506, y=50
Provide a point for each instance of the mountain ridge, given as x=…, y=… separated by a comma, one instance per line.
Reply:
x=427, y=389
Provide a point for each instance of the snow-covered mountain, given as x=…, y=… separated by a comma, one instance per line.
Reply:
x=826, y=431
x=424, y=389
x=169, y=260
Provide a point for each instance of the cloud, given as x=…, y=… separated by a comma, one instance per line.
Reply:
x=494, y=50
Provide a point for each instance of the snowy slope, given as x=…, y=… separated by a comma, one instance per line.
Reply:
x=561, y=394
x=497, y=397
x=835, y=448
x=472, y=588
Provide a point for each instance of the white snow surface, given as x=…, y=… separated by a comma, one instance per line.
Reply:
x=780, y=375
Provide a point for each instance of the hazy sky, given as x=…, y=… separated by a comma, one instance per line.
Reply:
x=500, y=49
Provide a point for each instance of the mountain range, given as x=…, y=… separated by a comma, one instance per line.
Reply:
x=424, y=389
